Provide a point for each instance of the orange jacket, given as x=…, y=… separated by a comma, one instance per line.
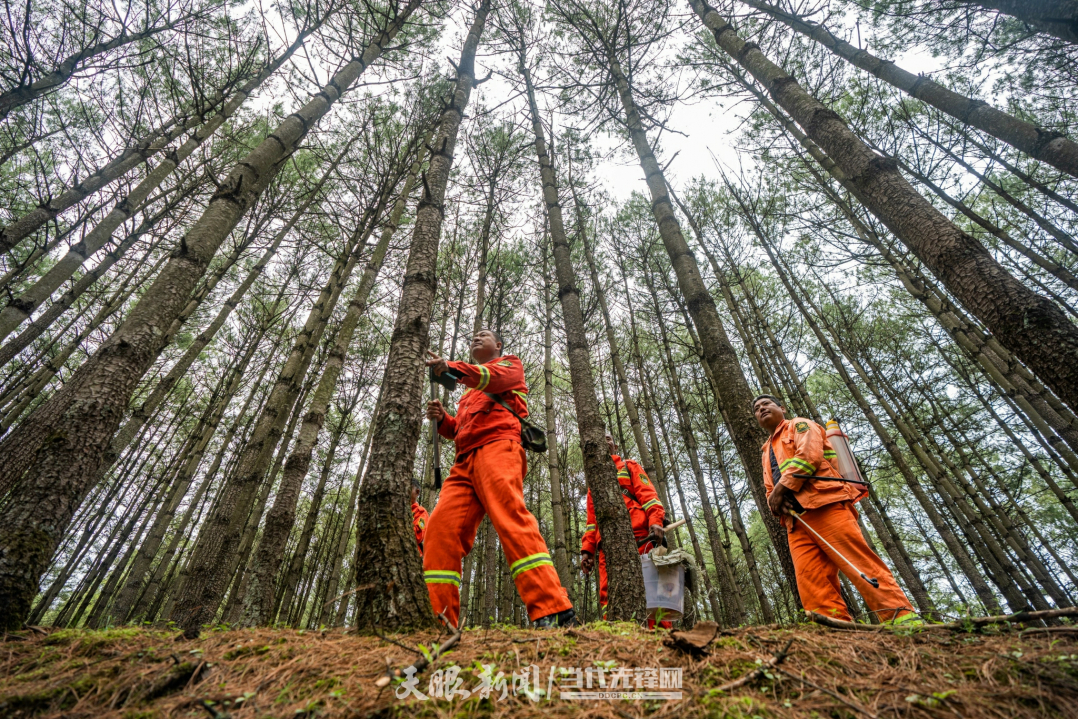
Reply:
x=802, y=447
x=641, y=500
x=479, y=419
x=419, y=523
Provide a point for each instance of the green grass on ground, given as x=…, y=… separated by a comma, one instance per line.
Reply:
x=129, y=673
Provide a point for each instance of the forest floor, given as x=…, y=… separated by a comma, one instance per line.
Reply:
x=132, y=673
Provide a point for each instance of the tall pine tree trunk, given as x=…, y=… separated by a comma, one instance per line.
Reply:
x=215, y=552
x=557, y=505
x=55, y=453
x=1031, y=326
x=735, y=396
x=625, y=579
x=1058, y=18
x=1045, y=145
x=260, y=600
x=397, y=598
x=615, y=355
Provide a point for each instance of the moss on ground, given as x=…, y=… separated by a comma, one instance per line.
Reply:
x=134, y=673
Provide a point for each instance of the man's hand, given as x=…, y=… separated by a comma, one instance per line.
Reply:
x=780, y=500
x=587, y=562
x=437, y=363
x=655, y=534
x=435, y=410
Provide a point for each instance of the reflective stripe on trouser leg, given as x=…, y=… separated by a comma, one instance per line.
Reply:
x=450, y=533
x=841, y=529
x=442, y=577
x=817, y=576
x=817, y=570
x=497, y=471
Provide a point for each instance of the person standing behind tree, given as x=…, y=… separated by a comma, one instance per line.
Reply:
x=645, y=511
x=488, y=478
x=419, y=517
x=797, y=449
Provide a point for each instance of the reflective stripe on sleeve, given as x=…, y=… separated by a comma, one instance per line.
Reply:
x=441, y=576
x=589, y=528
x=652, y=503
x=530, y=562
x=799, y=464
x=484, y=378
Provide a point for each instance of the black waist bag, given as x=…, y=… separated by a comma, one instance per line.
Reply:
x=532, y=437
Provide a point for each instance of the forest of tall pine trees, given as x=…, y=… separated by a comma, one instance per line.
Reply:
x=231, y=232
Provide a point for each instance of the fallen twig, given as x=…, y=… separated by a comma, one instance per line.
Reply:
x=405, y=647
x=967, y=623
x=825, y=690
x=1050, y=630
x=423, y=662
x=349, y=592
x=759, y=671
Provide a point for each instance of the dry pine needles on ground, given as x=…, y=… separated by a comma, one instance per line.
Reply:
x=807, y=671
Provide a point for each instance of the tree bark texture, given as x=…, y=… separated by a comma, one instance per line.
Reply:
x=395, y=595
x=625, y=579
x=735, y=398
x=1045, y=145
x=1058, y=18
x=55, y=453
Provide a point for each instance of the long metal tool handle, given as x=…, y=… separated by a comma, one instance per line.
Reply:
x=667, y=528
x=871, y=580
x=435, y=441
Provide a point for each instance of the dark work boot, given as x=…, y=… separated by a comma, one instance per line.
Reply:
x=566, y=618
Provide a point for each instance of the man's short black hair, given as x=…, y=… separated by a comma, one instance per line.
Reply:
x=771, y=397
x=416, y=484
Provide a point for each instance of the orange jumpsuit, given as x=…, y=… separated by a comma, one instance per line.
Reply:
x=644, y=507
x=419, y=524
x=488, y=478
x=801, y=447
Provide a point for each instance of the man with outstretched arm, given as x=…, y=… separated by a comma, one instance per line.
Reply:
x=488, y=478
x=645, y=511
x=797, y=460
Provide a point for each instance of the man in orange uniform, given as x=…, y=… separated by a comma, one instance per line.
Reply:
x=419, y=517
x=645, y=511
x=488, y=478
x=798, y=448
